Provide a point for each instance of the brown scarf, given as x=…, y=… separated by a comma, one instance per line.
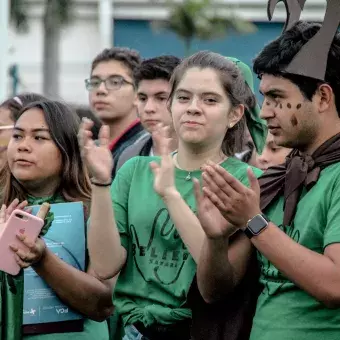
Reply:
x=298, y=172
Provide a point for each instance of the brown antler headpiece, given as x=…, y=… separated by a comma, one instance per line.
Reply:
x=311, y=60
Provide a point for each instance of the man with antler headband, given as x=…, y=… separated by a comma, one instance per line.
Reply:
x=295, y=223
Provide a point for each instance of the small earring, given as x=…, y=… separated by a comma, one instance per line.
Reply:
x=231, y=125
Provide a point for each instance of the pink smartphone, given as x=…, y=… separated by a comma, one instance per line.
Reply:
x=19, y=222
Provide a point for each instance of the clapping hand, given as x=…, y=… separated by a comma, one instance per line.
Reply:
x=237, y=203
x=164, y=177
x=97, y=157
x=5, y=212
x=212, y=221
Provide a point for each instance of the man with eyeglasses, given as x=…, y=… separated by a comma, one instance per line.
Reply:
x=112, y=96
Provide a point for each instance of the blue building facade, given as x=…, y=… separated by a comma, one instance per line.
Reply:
x=139, y=35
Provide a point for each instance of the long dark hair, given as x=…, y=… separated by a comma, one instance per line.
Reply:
x=234, y=86
x=63, y=124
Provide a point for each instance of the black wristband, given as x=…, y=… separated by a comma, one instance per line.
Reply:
x=101, y=184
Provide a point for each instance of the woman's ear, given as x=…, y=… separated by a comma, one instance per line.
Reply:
x=235, y=115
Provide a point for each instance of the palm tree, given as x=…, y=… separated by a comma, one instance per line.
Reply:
x=192, y=19
x=57, y=13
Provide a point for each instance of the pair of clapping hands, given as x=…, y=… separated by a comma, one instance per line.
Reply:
x=224, y=204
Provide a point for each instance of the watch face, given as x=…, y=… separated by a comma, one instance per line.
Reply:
x=257, y=224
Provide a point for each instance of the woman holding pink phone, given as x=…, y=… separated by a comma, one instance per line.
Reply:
x=44, y=165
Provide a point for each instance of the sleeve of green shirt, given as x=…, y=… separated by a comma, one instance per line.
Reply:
x=332, y=229
x=120, y=197
x=244, y=179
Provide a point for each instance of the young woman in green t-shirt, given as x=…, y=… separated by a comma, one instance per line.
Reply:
x=44, y=165
x=145, y=228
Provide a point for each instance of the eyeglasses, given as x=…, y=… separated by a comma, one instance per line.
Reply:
x=111, y=83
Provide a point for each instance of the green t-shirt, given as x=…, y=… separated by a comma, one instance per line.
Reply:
x=153, y=285
x=284, y=311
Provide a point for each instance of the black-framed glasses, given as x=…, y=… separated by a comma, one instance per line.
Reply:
x=111, y=83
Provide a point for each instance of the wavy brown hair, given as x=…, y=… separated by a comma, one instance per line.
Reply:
x=74, y=184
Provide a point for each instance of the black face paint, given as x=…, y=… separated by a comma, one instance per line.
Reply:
x=280, y=106
x=293, y=120
x=298, y=106
x=267, y=103
x=289, y=105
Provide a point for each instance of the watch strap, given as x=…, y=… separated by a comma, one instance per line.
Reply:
x=248, y=232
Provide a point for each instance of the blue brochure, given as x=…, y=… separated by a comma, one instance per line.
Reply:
x=66, y=239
